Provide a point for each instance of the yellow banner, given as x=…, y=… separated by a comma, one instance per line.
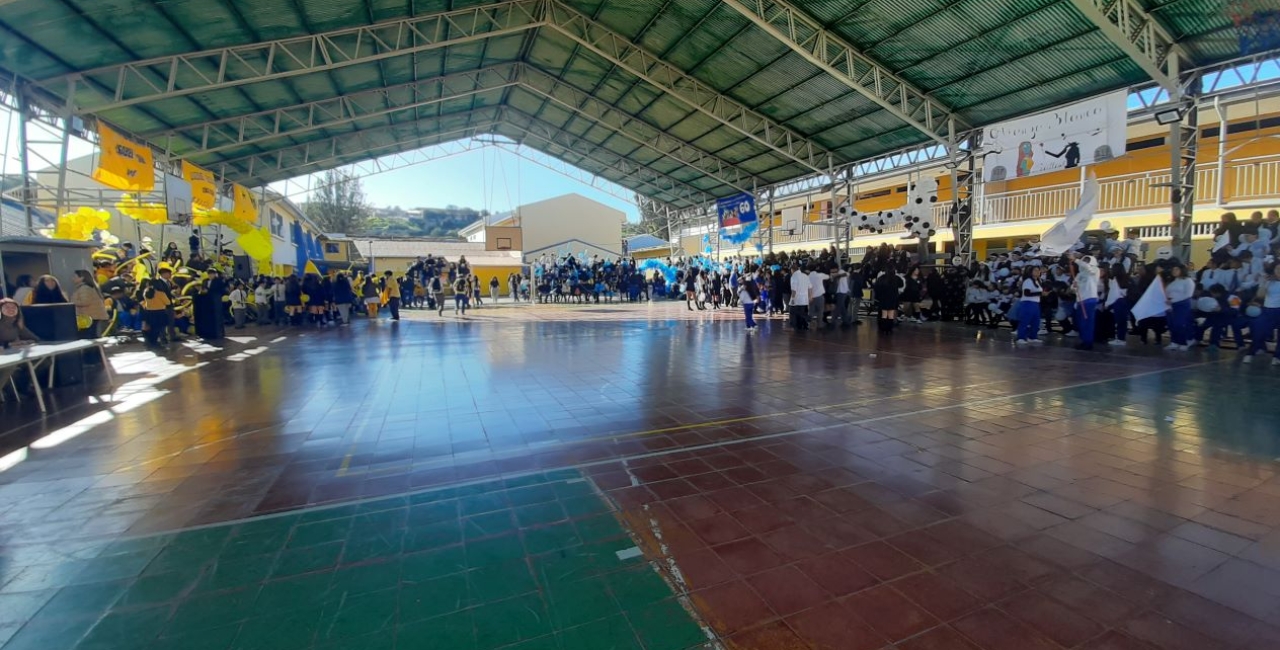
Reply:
x=122, y=164
x=246, y=208
x=204, y=190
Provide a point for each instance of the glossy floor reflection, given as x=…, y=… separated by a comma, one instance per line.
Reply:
x=834, y=490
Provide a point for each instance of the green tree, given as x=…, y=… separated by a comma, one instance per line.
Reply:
x=339, y=205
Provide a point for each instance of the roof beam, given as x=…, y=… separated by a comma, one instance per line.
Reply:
x=576, y=174
x=631, y=57
x=634, y=129
x=847, y=64
x=1139, y=35
x=577, y=146
x=117, y=86
x=347, y=145
x=290, y=121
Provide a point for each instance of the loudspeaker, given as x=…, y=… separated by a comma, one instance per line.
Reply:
x=243, y=270
x=53, y=324
x=206, y=314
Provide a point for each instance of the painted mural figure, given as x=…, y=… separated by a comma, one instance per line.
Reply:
x=1026, y=159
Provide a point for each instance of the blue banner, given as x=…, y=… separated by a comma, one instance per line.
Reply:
x=736, y=210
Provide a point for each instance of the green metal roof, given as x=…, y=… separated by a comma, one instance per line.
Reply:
x=985, y=60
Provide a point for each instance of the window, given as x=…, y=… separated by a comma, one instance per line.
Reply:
x=277, y=224
x=504, y=243
x=332, y=248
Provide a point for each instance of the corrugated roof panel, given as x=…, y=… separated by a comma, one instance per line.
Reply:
x=270, y=19
x=675, y=20
x=690, y=47
x=877, y=20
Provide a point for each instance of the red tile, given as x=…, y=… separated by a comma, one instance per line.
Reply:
x=838, y=532
x=748, y=556
x=1209, y=618
x=723, y=460
x=994, y=630
x=830, y=627
x=941, y=596
x=778, y=468
x=745, y=475
x=1020, y=565
x=1168, y=635
x=1114, y=640
x=806, y=483
x=889, y=612
x=689, y=467
x=735, y=498
x=1129, y=584
x=612, y=480
x=841, y=500
x=718, y=529
x=775, y=636
x=632, y=497
x=805, y=509
x=836, y=574
x=1056, y=551
x=772, y=491
x=693, y=507
x=731, y=607
x=787, y=590
x=925, y=548
x=704, y=568
x=675, y=489
x=761, y=519
x=964, y=537
x=939, y=638
x=915, y=512
x=1087, y=599
x=878, y=522
x=881, y=560
x=654, y=473
x=710, y=482
x=1051, y=618
x=986, y=580
x=795, y=543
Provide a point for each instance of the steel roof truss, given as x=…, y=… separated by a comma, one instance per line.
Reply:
x=631, y=57
x=186, y=74
x=1139, y=35
x=835, y=56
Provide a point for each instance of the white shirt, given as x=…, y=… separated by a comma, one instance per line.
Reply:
x=1272, y=300
x=277, y=292
x=1030, y=285
x=842, y=285
x=1180, y=289
x=815, y=283
x=237, y=298
x=799, y=289
x=262, y=295
x=1086, y=287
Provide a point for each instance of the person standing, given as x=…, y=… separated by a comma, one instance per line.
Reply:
x=800, y=288
x=818, y=297
x=91, y=307
x=393, y=295
x=460, y=295
x=369, y=293
x=437, y=293
x=1087, y=301
x=262, y=301
x=1266, y=323
x=239, y=304
x=343, y=296
x=748, y=293
x=493, y=289
x=1029, y=306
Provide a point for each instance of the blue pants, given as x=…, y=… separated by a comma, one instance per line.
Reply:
x=1262, y=328
x=1120, y=311
x=748, y=310
x=1180, y=325
x=1217, y=324
x=1087, y=320
x=1028, y=320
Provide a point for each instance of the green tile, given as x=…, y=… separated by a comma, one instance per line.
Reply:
x=308, y=559
x=365, y=578
x=564, y=565
x=207, y=611
x=259, y=542
x=159, y=588
x=320, y=532
x=449, y=632
x=359, y=616
x=539, y=514
x=433, y=564
x=385, y=640
x=665, y=625
x=49, y=633
x=236, y=572
x=508, y=621
x=482, y=503
x=275, y=630
x=124, y=546
x=599, y=528
x=379, y=524
x=548, y=642
x=429, y=536
x=328, y=514
x=298, y=592
x=494, y=550
x=610, y=633
x=541, y=493
x=636, y=587
x=488, y=525
x=583, y=506
x=16, y=609
x=382, y=546
x=499, y=581
x=81, y=601
x=575, y=603
x=218, y=638
x=430, y=598
x=126, y=629
x=116, y=567
x=551, y=538
x=428, y=513
x=573, y=489
x=180, y=558
x=206, y=541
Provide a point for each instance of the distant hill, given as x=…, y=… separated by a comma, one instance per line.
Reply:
x=420, y=222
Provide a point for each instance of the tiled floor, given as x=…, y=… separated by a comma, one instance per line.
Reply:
x=937, y=489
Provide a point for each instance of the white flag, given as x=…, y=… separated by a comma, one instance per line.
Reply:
x=1153, y=302
x=1062, y=236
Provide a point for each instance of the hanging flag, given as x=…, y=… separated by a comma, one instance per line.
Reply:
x=123, y=164
x=204, y=190
x=246, y=208
x=1065, y=234
x=1152, y=303
x=311, y=267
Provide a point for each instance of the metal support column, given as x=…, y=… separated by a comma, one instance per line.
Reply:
x=1184, y=136
x=61, y=199
x=24, y=161
x=772, y=191
x=1221, y=109
x=963, y=204
x=671, y=242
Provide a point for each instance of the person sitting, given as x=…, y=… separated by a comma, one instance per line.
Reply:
x=13, y=331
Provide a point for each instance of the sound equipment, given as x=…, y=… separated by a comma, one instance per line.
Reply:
x=55, y=324
x=206, y=314
x=242, y=269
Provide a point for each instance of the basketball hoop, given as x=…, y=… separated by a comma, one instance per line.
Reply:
x=1257, y=23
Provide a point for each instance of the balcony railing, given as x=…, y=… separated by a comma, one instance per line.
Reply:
x=1246, y=180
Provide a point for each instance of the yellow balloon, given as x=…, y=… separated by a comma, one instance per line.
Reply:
x=81, y=224
x=134, y=208
x=256, y=244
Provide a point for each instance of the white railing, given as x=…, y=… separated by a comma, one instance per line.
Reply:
x=1257, y=179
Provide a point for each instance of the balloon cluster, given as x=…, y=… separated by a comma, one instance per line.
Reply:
x=918, y=213
x=662, y=267
x=81, y=224
x=222, y=218
x=742, y=236
x=133, y=207
x=256, y=244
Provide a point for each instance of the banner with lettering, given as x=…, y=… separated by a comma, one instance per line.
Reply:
x=122, y=163
x=1083, y=133
x=204, y=189
x=736, y=210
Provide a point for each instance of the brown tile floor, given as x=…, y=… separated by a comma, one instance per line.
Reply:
x=836, y=490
